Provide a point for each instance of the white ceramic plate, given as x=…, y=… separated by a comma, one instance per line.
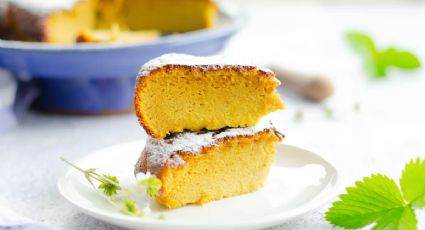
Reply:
x=299, y=181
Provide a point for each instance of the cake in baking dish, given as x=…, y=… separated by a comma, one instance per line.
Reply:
x=178, y=92
x=62, y=21
x=196, y=168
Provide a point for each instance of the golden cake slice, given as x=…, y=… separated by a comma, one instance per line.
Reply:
x=196, y=168
x=177, y=92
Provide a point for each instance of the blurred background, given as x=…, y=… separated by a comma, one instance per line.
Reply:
x=366, y=124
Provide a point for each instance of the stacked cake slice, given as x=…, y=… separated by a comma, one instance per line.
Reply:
x=206, y=139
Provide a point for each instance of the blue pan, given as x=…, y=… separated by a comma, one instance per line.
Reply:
x=99, y=78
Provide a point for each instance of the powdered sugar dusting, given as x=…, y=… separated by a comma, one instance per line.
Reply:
x=207, y=63
x=163, y=152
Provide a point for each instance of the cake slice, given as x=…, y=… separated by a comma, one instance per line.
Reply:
x=196, y=168
x=177, y=92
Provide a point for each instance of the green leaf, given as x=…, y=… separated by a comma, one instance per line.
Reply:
x=110, y=188
x=400, y=59
x=130, y=207
x=161, y=217
x=377, y=67
x=400, y=218
x=152, y=185
x=360, y=42
x=412, y=182
x=377, y=62
x=365, y=203
x=365, y=47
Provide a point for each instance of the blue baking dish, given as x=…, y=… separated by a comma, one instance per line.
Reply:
x=99, y=78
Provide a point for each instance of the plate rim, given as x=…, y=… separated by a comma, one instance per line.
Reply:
x=262, y=222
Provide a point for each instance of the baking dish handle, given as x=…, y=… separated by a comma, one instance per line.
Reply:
x=26, y=93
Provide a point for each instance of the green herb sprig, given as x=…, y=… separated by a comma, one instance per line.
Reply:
x=376, y=61
x=378, y=199
x=109, y=184
x=110, y=187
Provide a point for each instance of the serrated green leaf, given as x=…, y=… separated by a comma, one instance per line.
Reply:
x=109, y=188
x=365, y=203
x=412, y=182
x=130, y=207
x=408, y=220
x=400, y=219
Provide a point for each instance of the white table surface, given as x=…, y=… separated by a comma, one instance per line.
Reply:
x=382, y=136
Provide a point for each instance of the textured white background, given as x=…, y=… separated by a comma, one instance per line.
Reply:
x=382, y=136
